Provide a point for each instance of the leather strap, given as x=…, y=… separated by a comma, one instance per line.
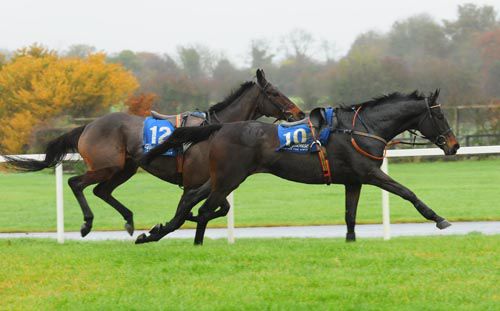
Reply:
x=322, y=156
x=355, y=144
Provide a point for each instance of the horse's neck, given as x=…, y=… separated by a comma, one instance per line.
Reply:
x=242, y=108
x=392, y=119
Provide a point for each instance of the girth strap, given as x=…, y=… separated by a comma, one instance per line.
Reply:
x=180, y=156
x=322, y=156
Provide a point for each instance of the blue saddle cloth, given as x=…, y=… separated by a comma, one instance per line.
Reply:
x=155, y=132
x=298, y=139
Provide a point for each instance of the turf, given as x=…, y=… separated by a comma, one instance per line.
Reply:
x=427, y=273
x=458, y=190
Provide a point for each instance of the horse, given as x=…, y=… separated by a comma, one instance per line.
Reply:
x=354, y=153
x=112, y=145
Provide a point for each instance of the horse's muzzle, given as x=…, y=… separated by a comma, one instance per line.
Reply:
x=451, y=150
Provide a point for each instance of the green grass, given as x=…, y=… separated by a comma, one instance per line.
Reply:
x=461, y=190
x=426, y=273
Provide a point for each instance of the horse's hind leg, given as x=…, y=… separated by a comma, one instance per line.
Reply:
x=105, y=189
x=351, y=205
x=220, y=212
x=77, y=185
x=188, y=200
x=207, y=212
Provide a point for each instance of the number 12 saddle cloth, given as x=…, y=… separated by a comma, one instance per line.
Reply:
x=159, y=127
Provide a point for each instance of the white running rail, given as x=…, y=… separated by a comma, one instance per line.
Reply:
x=230, y=230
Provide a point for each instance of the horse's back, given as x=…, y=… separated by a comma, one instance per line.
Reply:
x=108, y=140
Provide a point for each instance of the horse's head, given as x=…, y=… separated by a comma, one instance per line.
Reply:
x=274, y=103
x=434, y=126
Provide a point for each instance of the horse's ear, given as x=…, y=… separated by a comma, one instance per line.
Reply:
x=261, y=77
x=436, y=93
x=433, y=96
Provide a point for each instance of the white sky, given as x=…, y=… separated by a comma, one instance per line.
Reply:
x=226, y=26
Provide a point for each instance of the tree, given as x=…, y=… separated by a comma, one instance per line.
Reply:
x=418, y=36
x=191, y=62
x=37, y=85
x=3, y=60
x=298, y=44
x=471, y=20
x=489, y=45
x=261, y=58
x=128, y=59
x=80, y=50
x=141, y=105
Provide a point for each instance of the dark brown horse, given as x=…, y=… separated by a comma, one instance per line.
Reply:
x=355, y=151
x=112, y=145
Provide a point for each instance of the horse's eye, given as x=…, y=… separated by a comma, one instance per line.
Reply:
x=440, y=116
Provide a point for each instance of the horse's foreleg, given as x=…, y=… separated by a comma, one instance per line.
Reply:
x=105, y=189
x=352, y=192
x=382, y=180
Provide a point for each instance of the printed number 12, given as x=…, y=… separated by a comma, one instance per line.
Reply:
x=154, y=131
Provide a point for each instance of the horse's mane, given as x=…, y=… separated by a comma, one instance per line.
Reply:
x=231, y=97
x=392, y=97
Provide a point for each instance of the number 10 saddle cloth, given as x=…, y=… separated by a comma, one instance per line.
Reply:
x=309, y=134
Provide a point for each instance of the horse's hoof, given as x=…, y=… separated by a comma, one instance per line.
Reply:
x=350, y=237
x=156, y=229
x=85, y=229
x=130, y=228
x=143, y=238
x=443, y=224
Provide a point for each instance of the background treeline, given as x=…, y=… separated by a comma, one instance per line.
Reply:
x=460, y=56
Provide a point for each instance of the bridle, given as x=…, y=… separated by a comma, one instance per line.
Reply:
x=283, y=111
x=439, y=140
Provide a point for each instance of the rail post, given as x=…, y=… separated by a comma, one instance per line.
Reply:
x=59, y=203
x=230, y=219
x=386, y=215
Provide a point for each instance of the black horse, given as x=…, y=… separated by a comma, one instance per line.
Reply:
x=112, y=145
x=355, y=152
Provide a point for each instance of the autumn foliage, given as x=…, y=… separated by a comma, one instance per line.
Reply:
x=36, y=85
x=141, y=105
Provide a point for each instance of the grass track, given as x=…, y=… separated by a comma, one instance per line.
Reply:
x=461, y=190
x=427, y=273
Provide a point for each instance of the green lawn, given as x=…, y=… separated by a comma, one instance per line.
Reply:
x=426, y=273
x=461, y=190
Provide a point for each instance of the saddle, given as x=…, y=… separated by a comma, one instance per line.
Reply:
x=317, y=127
x=318, y=118
x=188, y=118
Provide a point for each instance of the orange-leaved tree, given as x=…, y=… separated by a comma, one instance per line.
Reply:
x=141, y=105
x=36, y=85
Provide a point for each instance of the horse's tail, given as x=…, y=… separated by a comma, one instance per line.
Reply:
x=179, y=137
x=54, y=152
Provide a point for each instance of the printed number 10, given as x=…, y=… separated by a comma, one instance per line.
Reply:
x=296, y=139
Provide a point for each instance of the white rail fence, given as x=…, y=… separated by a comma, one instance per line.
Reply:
x=396, y=153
